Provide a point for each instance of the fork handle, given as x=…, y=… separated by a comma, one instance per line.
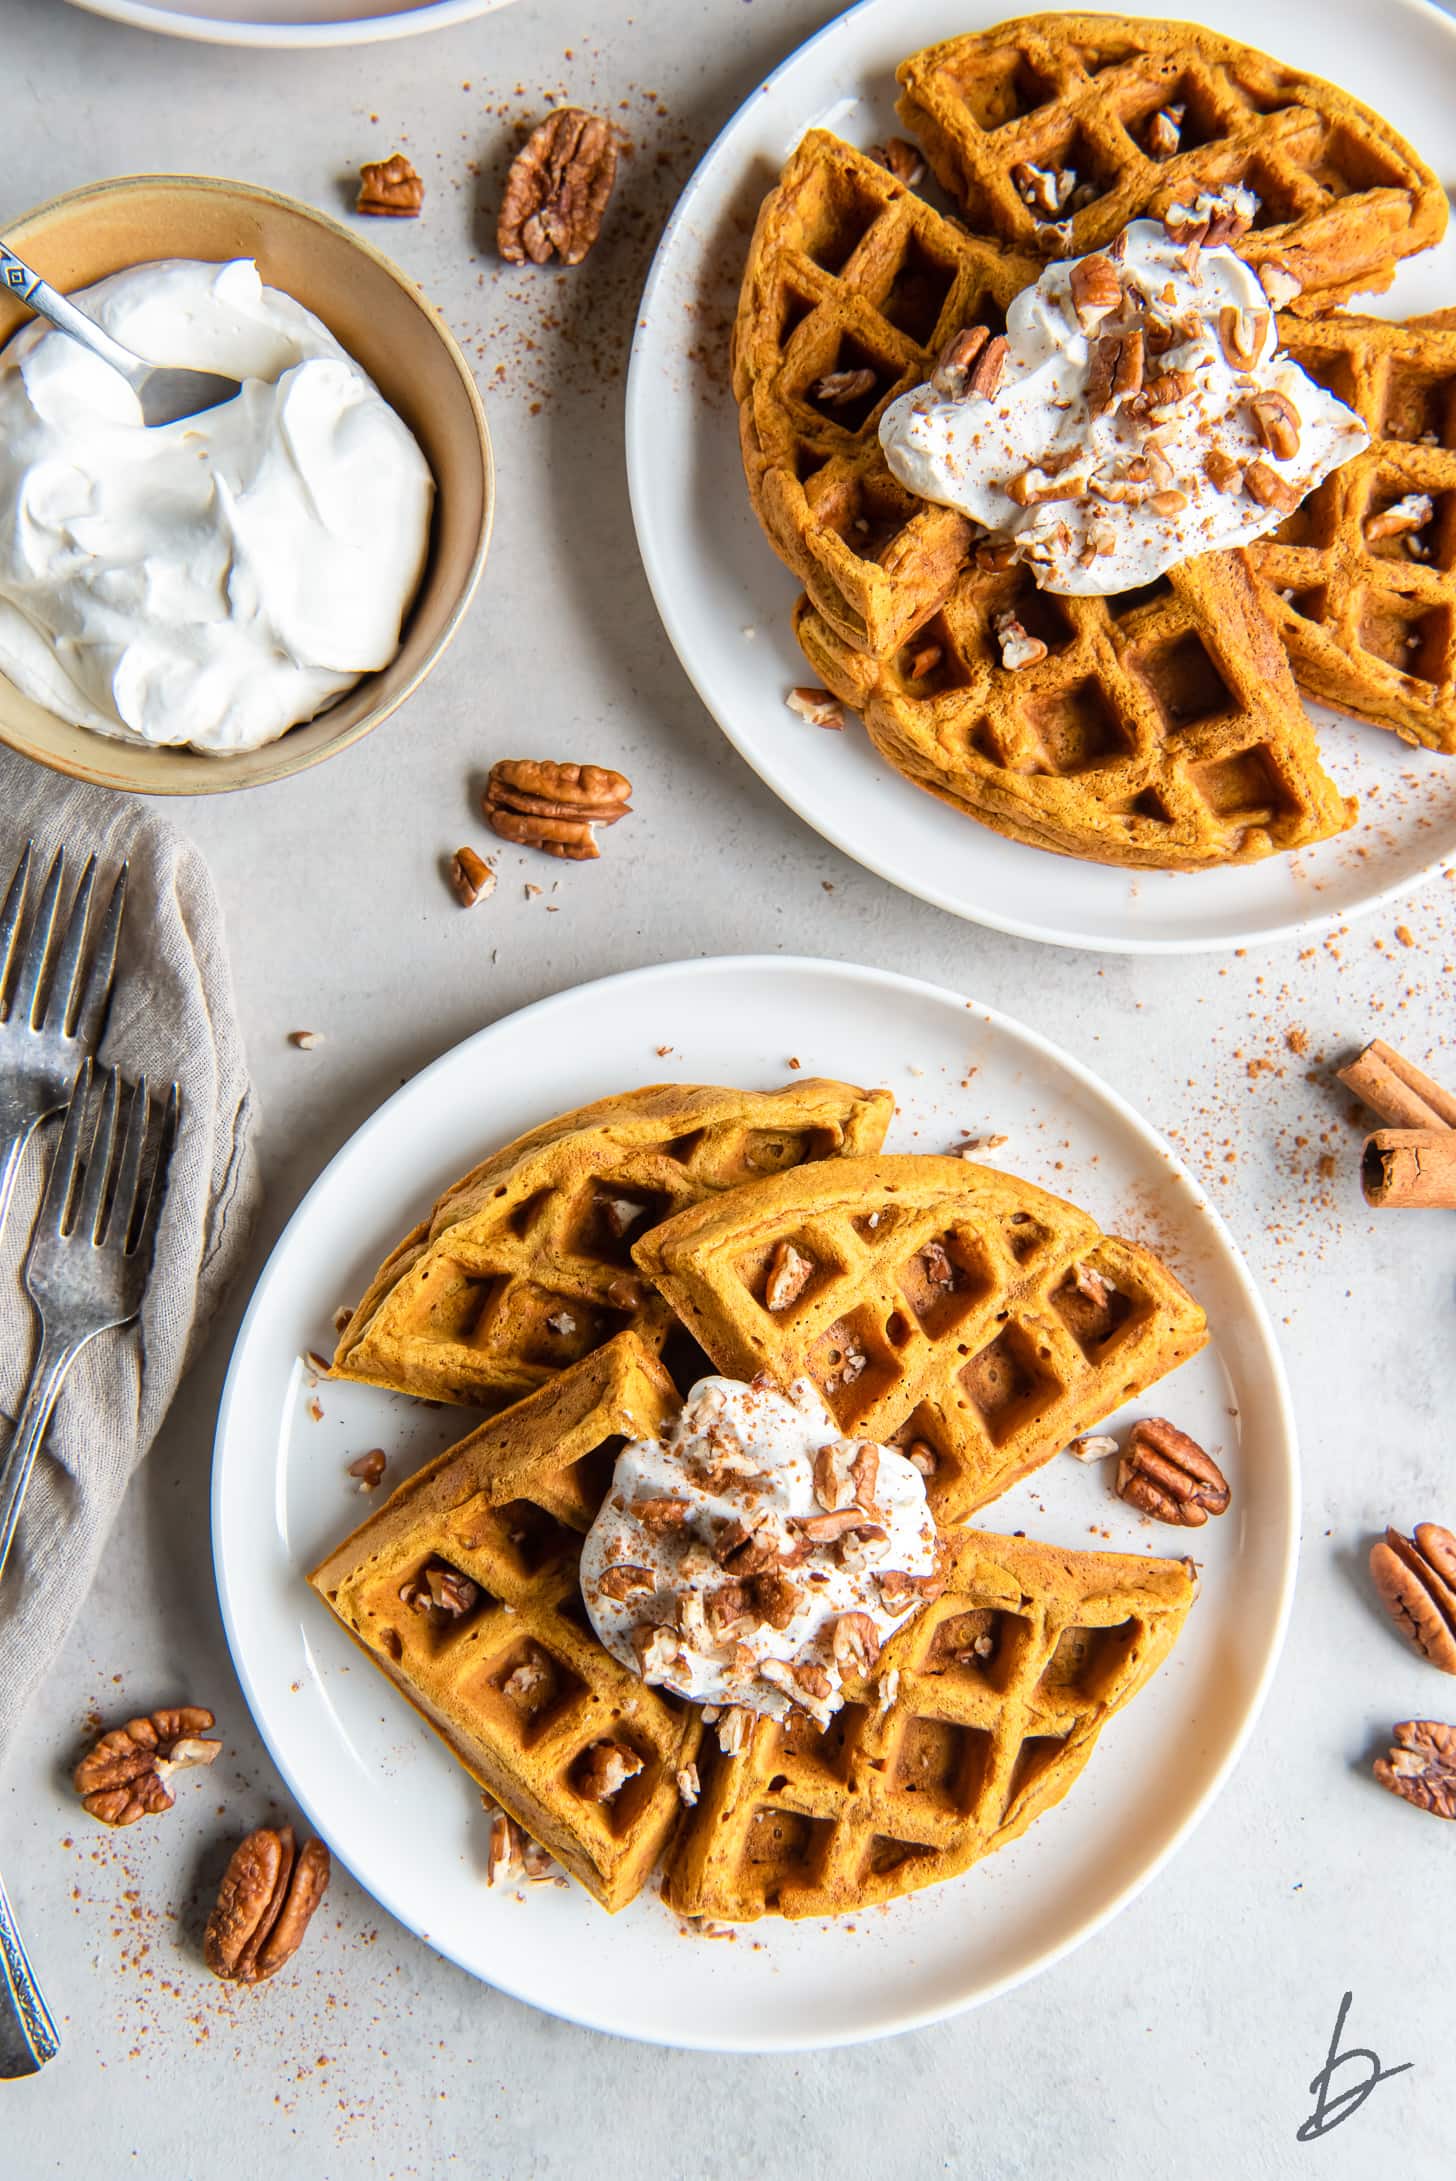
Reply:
x=53, y=1360
x=28, y=2036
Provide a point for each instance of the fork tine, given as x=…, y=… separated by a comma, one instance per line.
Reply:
x=92, y=1211
x=61, y=1181
x=155, y=1187
x=10, y=916
x=60, y=997
x=129, y=1172
x=30, y=978
x=89, y=1005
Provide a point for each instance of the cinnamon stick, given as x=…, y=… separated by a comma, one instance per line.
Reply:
x=1402, y=1094
x=1410, y=1169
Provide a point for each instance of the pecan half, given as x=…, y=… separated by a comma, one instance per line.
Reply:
x=1416, y=1579
x=267, y=1895
x=540, y=803
x=1421, y=1767
x=1165, y=1473
x=557, y=190
x=390, y=187
x=984, y=376
x=124, y=1777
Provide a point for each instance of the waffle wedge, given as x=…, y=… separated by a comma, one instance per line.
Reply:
x=1342, y=196
x=524, y=1265
x=983, y=1712
x=1163, y=728
x=514, y=1681
x=1365, y=601
x=943, y=1303
x=850, y=272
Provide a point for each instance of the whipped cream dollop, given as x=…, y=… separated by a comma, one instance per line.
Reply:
x=216, y=581
x=753, y=1559
x=1137, y=414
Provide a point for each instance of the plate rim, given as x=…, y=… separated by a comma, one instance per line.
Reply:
x=359, y=30
x=638, y=437
x=1256, y=1319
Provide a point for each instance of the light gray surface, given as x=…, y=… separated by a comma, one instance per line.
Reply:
x=1181, y=2042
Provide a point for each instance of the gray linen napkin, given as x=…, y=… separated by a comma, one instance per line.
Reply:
x=172, y=1014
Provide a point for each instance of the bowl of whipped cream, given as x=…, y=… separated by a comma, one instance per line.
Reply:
x=221, y=602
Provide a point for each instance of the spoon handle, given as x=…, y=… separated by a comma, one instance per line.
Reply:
x=38, y=295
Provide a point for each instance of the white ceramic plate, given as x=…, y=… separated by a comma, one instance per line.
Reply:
x=379, y=1787
x=290, y=22
x=725, y=598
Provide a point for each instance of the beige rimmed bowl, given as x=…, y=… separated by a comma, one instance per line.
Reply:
x=385, y=323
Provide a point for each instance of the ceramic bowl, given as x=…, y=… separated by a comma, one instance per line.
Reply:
x=381, y=318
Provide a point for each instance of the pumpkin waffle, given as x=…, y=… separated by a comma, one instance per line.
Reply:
x=524, y=1266
x=983, y=1711
x=1162, y=728
x=463, y=1589
x=849, y=273
x=934, y=1301
x=1361, y=584
x=1342, y=197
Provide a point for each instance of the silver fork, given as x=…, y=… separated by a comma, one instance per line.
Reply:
x=86, y=1272
x=52, y=1005
x=90, y=1254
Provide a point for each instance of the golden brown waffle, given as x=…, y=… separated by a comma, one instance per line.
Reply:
x=524, y=1266
x=848, y=271
x=1369, y=626
x=946, y=1303
x=1163, y=728
x=984, y=1710
x=1342, y=196
x=516, y=1683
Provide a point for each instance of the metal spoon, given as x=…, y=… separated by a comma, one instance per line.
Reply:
x=167, y=394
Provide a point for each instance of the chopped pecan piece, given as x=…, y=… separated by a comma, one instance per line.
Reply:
x=985, y=374
x=557, y=190
x=953, y=365
x=1416, y=1579
x=452, y=1592
x=1278, y=283
x=745, y=1552
x=505, y=1857
x=900, y=1590
x=735, y=1730
x=1421, y=1768
x=827, y=1529
x=921, y=1455
x=471, y=877
x=776, y=1600
x=369, y=1468
x=1221, y=470
x=1241, y=335
x=539, y=803
x=903, y=161
x=839, y=388
x=621, y=1582
x=1093, y=1446
x=1045, y=190
x=803, y=1683
x=726, y=1608
x=856, y=1644
x=817, y=706
x=1400, y=519
x=660, y=1514
x=124, y=1777
x=1165, y=132
x=1096, y=290
x=531, y=1682
x=390, y=187
x=267, y=1895
x=658, y=1651
x=789, y=1273
x=604, y=1770
x=689, y=1786
x=1017, y=648
x=924, y=661
x=1276, y=422
x=1270, y=489
x=1165, y=1473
